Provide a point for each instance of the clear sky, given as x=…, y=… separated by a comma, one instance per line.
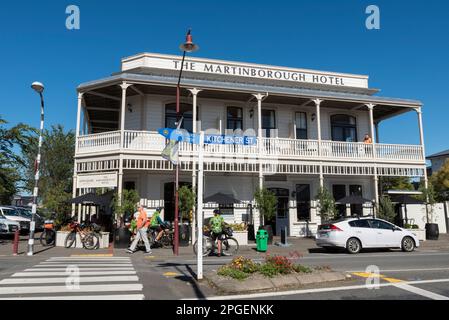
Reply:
x=407, y=58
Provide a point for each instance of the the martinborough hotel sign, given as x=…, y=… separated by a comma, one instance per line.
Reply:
x=217, y=67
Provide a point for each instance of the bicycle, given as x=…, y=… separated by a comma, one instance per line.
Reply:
x=166, y=240
x=229, y=245
x=89, y=239
x=48, y=236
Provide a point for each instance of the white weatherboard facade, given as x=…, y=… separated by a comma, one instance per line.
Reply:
x=310, y=127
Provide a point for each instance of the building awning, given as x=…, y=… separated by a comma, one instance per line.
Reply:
x=353, y=199
x=404, y=199
x=94, y=199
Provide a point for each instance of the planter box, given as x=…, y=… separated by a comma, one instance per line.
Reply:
x=62, y=235
x=421, y=234
x=241, y=237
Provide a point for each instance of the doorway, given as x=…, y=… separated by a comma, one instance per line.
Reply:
x=169, y=199
x=281, y=220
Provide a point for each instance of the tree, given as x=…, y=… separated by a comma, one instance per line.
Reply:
x=266, y=203
x=186, y=202
x=386, y=209
x=56, y=169
x=428, y=196
x=128, y=203
x=10, y=161
x=326, y=205
x=440, y=181
x=395, y=183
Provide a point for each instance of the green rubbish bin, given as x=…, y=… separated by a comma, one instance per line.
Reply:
x=262, y=240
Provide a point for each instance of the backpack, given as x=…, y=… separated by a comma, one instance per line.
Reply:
x=154, y=220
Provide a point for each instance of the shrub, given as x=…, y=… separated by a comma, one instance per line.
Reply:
x=301, y=269
x=282, y=264
x=244, y=264
x=228, y=271
x=269, y=270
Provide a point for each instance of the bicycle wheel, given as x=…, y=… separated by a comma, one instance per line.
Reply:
x=230, y=246
x=207, y=247
x=48, y=238
x=70, y=240
x=91, y=241
x=167, y=240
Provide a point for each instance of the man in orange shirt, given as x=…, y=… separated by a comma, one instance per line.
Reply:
x=142, y=232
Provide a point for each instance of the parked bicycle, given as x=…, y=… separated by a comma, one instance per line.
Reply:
x=89, y=239
x=229, y=245
x=48, y=236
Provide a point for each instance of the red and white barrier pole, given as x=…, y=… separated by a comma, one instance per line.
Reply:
x=15, y=245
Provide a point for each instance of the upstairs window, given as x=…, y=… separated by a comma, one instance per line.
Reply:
x=186, y=111
x=234, y=118
x=344, y=128
x=301, y=125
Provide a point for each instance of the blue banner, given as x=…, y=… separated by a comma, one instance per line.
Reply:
x=185, y=136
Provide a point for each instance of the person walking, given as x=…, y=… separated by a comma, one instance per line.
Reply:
x=142, y=232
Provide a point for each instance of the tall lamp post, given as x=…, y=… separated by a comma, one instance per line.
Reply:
x=188, y=46
x=39, y=88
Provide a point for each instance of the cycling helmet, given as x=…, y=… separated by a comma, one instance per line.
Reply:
x=217, y=211
x=159, y=209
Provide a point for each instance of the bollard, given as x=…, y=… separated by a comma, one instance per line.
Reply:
x=15, y=246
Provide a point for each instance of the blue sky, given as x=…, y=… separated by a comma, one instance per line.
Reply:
x=406, y=58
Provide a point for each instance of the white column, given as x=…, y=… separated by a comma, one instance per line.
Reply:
x=124, y=87
x=376, y=191
x=194, y=92
x=78, y=119
x=259, y=98
x=370, y=107
x=318, y=124
x=200, y=207
x=421, y=141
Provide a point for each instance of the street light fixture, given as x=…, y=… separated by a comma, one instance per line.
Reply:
x=39, y=88
x=188, y=46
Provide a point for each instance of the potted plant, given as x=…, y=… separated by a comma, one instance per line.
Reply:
x=428, y=196
x=266, y=202
x=240, y=233
x=326, y=205
x=124, y=209
x=187, y=199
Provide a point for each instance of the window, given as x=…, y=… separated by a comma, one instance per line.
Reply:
x=339, y=192
x=282, y=207
x=344, y=128
x=377, y=224
x=360, y=224
x=226, y=209
x=301, y=125
x=234, y=118
x=186, y=111
x=356, y=190
x=130, y=185
x=303, y=202
x=268, y=122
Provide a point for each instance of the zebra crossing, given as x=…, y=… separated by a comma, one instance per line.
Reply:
x=75, y=278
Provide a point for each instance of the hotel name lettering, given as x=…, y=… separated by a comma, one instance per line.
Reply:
x=261, y=73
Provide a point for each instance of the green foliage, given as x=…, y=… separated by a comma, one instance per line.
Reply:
x=266, y=202
x=395, y=183
x=298, y=268
x=10, y=160
x=186, y=201
x=128, y=203
x=227, y=271
x=440, y=182
x=411, y=226
x=326, y=205
x=56, y=168
x=386, y=209
x=244, y=264
x=428, y=196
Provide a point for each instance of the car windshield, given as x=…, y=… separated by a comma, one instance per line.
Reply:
x=10, y=212
x=25, y=213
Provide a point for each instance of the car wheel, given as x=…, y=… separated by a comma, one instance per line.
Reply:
x=408, y=245
x=353, y=246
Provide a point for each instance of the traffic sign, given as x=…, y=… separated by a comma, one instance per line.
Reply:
x=185, y=136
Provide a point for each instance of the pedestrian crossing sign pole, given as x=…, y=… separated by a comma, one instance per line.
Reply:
x=200, y=206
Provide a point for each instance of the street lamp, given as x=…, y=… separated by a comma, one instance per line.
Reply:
x=188, y=46
x=39, y=88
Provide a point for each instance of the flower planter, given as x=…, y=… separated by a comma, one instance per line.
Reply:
x=241, y=237
x=420, y=233
x=62, y=235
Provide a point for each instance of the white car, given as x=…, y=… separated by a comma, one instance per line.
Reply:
x=14, y=215
x=355, y=234
x=8, y=227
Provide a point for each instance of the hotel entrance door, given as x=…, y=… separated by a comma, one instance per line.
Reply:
x=282, y=211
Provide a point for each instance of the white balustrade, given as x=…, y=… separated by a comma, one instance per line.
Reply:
x=152, y=142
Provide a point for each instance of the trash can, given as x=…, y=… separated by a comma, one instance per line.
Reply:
x=262, y=240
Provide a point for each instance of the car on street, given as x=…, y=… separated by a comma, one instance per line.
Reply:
x=8, y=227
x=26, y=212
x=355, y=234
x=13, y=214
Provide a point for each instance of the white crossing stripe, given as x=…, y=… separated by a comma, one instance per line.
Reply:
x=132, y=297
x=63, y=280
x=95, y=278
x=63, y=273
